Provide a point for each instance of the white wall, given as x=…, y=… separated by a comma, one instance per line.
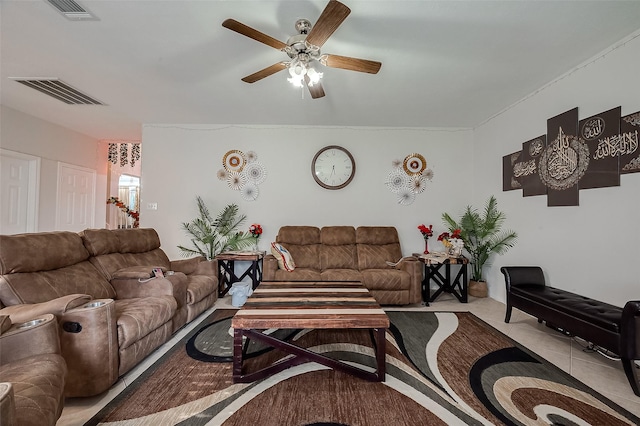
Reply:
x=181, y=161
x=592, y=249
x=29, y=135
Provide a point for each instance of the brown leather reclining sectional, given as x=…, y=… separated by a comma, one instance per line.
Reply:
x=111, y=312
x=344, y=253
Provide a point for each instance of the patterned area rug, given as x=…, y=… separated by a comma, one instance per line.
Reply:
x=442, y=369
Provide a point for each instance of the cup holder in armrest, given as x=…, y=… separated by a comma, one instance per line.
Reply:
x=95, y=304
x=31, y=323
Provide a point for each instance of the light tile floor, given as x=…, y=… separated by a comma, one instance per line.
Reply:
x=604, y=375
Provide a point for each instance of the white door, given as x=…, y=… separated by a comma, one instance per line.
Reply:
x=76, y=198
x=19, y=186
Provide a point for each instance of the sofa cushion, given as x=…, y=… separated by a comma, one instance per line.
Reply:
x=43, y=251
x=100, y=241
x=282, y=255
x=300, y=235
x=299, y=274
x=38, y=287
x=386, y=279
x=376, y=246
x=199, y=287
x=38, y=383
x=303, y=243
x=137, y=240
x=338, y=249
x=138, y=317
x=341, y=275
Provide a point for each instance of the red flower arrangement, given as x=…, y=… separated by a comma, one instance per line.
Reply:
x=255, y=230
x=426, y=233
x=445, y=236
x=122, y=206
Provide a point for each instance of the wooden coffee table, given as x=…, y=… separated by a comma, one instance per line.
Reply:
x=308, y=305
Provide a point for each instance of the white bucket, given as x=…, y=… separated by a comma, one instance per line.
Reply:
x=239, y=292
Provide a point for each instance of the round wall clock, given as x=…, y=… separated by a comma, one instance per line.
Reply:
x=333, y=167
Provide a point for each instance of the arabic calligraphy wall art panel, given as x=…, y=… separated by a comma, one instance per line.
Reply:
x=601, y=133
x=575, y=155
x=509, y=179
x=628, y=144
x=564, y=161
x=531, y=152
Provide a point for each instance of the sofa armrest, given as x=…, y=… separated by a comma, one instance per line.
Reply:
x=269, y=267
x=37, y=336
x=414, y=268
x=207, y=267
x=26, y=312
x=629, y=329
x=196, y=265
x=89, y=345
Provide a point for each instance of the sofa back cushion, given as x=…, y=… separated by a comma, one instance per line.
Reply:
x=303, y=242
x=43, y=266
x=338, y=249
x=376, y=246
x=137, y=240
x=113, y=250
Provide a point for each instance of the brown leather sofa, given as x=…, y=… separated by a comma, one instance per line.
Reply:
x=105, y=329
x=344, y=253
x=32, y=372
x=126, y=257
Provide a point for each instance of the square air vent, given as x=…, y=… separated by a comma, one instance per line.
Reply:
x=71, y=10
x=58, y=89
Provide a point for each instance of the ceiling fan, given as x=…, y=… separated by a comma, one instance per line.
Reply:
x=304, y=50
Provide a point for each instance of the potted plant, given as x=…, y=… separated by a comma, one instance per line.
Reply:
x=211, y=237
x=482, y=236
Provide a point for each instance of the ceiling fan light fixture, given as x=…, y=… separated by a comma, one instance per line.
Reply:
x=314, y=76
x=298, y=69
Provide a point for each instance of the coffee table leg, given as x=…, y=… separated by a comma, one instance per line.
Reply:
x=237, y=354
x=381, y=353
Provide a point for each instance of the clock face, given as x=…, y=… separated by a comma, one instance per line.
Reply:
x=333, y=167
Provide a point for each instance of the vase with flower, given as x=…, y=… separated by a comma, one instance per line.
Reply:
x=255, y=230
x=452, y=242
x=426, y=231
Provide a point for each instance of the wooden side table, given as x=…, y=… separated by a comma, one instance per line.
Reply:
x=432, y=271
x=227, y=275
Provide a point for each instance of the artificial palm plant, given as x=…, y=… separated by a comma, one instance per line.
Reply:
x=482, y=234
x=211, y=237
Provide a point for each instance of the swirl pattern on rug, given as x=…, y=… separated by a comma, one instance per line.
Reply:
x=442, y=369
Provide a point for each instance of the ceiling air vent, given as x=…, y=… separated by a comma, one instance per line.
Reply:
x=58, y=89
x=70, y=9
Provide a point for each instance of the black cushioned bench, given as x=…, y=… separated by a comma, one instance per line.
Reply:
x=609, y=327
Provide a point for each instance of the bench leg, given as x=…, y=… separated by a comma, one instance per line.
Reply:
x=507, y=316
x=633, y=375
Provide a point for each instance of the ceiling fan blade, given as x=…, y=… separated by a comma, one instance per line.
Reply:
x=316, y=90
x=329, y=21
x=241, y=28
x=265, y=72
x=353, y=64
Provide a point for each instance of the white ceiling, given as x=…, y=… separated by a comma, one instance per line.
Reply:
x=444, y=63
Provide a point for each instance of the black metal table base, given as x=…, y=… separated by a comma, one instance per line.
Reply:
x=302, y=355
x=228, y=275
x=457, y=286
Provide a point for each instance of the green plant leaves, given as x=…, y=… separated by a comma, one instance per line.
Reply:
x=210, y=237
x=482, y=234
